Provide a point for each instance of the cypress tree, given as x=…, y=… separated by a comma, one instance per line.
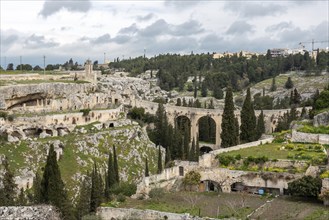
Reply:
x=248, y=120
x=228, y=134
x=186, y=141
x=237, y=130
x=83, y=201
x=289, y=84
x=192, y=155
x=146, y=168
x=179, y=102
x=37, y=196
x=204, y=89
x=21, y=198
x=110, y=180
x=115, y=166
x=260, y=128
x=273, y=86
x=159, y=161
x=96, y=189
x=159, y=124
x=197, y=150
x=53, y=188
x=8, y=192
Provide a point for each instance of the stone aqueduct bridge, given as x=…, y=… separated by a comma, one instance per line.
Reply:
x=195, y=114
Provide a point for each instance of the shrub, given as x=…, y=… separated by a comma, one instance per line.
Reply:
x=306, y=186
x=325, y=174
x=3, y=114
x=85, y=112
x=192, y=178
x=125, y=188
x=156, y=193
x=121, y=198
x=226, y=159
x=11, y=118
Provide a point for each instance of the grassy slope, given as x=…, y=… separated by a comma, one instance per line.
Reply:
x=223, y=205
x=32, y=156
x=276, y=151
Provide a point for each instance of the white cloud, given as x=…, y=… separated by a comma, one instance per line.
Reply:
x=84, y=29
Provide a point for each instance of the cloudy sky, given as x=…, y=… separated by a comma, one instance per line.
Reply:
x=82, y=29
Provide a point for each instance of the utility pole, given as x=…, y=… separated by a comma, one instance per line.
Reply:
x=5, y=67
x=20, y=60
x=104, y=57
x=144, y=52
x=44, y=65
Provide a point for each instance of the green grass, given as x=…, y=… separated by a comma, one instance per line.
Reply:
x=314, y=130
x=305, y=152
x=18, y=154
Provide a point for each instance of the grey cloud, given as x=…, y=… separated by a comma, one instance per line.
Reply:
x=106, y=38
x=129, y=30
x=254, y=9
x=161, y=27
x=35, y=41
x=52, y=6
x=103, y=39
x=187, y=28
x=65, y=28
x=157, y=28
x=121, y=39
x=9, y=39
x=181, y=4
x=239, y=27
x=280, y=26
x=146, y=17
x=292, y=37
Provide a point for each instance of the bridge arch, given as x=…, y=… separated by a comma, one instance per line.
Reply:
x=207, y=129
x=182, y=123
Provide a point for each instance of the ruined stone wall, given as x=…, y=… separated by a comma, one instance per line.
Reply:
x=242, y=146
x=29, y=212
x=309, y=138
x=108, y=213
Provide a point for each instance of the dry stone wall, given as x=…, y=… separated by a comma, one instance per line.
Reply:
x=29, y=212
x=108, y=213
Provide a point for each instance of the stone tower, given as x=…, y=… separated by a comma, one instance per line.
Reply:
x=90, y=75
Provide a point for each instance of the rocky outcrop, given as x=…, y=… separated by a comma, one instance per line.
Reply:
x=29, y=212
x=309, y=138
x=321, y=119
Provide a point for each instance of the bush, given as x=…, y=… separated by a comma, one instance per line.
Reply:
x=192, y=178
x=121, y=198
x=226, y=159
x=11, y=118
x=156, y=193
x=125, y=188
x=85, y=112
x=325, y=174
x=307, y=186
x=3, y=114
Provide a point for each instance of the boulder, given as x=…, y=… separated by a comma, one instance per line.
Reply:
x=321, y=119
x=12, y=139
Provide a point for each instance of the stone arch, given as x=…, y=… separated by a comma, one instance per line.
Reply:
x=238, y=187
x=207, y=129
x=209, y=186
x=181, y=121
x=205, y=149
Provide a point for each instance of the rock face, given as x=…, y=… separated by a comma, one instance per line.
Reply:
x=321, y=119
x=29, y=212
